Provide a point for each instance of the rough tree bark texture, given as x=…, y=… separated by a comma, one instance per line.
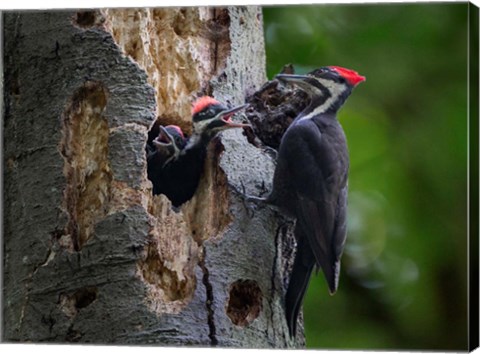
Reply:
x=90, y=254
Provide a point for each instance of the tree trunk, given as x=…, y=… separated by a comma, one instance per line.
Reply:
x=90, y=254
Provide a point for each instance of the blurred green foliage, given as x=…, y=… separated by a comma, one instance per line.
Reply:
x=404, y=270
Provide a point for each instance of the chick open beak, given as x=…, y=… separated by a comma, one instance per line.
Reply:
x=164, y=139
x=225, y=117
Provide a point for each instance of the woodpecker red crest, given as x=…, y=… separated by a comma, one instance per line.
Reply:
x=351, y=76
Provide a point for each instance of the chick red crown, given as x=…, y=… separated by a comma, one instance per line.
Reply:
x=176, y=128
x=201, y=103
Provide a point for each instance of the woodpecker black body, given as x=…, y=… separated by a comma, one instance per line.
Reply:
x=310, y=181
x=180, y=177
x=161, y=151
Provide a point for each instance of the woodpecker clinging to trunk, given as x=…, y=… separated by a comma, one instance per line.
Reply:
x=310, y=180
x=182, y=174
x=162, y=150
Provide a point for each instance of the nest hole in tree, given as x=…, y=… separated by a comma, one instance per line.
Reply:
x=85, y=19
x=70, y=304
x=150, y=148
x=245, y=302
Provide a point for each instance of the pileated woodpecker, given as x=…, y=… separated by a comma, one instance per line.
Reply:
x=310, y=180
x=162, y=150
x=182, y=174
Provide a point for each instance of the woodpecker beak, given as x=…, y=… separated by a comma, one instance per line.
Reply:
x=225, y=116
x=290, y=77
x=299, y=80
x=164, y=139
x=165, y=143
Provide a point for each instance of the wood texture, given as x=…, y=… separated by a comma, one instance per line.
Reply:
x=90, y=255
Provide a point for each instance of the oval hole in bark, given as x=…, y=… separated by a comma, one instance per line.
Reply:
x=85, y=19
x=71, y=304
x=85, y=297
x=245, y=302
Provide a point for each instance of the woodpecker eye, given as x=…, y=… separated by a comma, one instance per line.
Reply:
x=210, y=112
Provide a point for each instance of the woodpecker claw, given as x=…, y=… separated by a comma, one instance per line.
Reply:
x=251, y=204
x=248, y=208
x=248, y=200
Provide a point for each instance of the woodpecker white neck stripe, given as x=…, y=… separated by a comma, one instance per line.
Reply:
x=335, y=89
x=201, y=126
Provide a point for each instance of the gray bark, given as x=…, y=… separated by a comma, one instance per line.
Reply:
x=89, y=254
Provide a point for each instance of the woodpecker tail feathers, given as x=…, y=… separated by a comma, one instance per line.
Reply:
x=297, y=287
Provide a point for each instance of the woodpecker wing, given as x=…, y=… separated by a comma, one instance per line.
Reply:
x=314, y=220
x=317, y=165
x=340, y=231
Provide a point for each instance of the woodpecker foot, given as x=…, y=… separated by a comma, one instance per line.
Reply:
x=256, y=200
x=271, y=152
x=250, y=203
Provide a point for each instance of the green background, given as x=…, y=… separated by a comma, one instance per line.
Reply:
x=404, y=269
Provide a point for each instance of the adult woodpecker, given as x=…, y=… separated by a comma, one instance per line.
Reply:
x=310, y=180
x=162, y=150
x=182, y=174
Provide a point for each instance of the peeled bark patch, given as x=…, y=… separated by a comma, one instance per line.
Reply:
x=156, y=273
x=169, y=261
x=171, y=46
x=84, y=147
x=208, y=213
